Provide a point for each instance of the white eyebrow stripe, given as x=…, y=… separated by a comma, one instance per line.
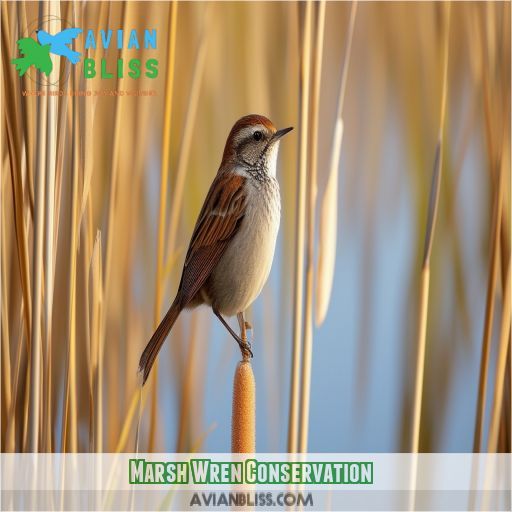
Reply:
x=249, y=130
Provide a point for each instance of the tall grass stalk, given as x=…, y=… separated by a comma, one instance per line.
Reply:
x=63, y=130
x=187, y=388
x=28, y=120
x=499, y=224
x=11, y=417
x=15, y=161
x=54, y=10
x=429, y=235
x=304, y=87
x=70, y=397
x=37, y=269
x=329, y=209
x=311, y=206
x=186, y=143
x=489, y=314
x=499, y=377
x=96, y=299
x=6, y=352
x=137, y=403
x=164, y=178
x=113, y=206
x=425, y=268
x=87, y=251
x=20, y=232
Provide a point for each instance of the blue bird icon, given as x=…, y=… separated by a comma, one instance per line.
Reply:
x=58, y=42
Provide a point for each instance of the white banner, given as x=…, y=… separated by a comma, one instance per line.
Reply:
x=211, y=481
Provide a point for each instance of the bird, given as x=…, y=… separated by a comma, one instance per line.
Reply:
x=58, y=42
x=35, y=55
x=232, y=245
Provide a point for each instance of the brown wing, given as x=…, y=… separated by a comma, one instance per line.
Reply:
x=219, y=220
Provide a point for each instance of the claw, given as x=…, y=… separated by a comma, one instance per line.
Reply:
x=246, y=350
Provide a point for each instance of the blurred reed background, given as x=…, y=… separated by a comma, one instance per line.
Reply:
x=100, y=195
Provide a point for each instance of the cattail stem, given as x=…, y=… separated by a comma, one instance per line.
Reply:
x=243, y=426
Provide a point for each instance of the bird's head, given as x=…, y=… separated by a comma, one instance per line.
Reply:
x=253, y=144
x=43, y=37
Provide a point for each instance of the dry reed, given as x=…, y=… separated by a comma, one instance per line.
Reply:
x=49, y=253
x=104, y=154
x=304, y=86
x=499, y=378
x=164, y=177
x=187, y=391
x=327, y=246
x=70, y=400
x=429, y=235
x=494, y=142
x=37, y=270
x=6, y=356
x=187, y=140
x=329, y=209
x=307, y=348
x=15, y=163
x=489, y=314
x=96, y=346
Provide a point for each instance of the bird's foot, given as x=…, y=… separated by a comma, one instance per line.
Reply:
x=244, y=345
x=245, y=348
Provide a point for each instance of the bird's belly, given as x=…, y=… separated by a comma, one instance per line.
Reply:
x=245, y=266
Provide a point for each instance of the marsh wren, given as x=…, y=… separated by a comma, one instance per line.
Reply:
x=232, y=246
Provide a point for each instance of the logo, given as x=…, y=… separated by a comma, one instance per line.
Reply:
x=50, y=47
x=37, y=53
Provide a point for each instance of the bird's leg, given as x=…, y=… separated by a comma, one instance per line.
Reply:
x=244, y=327
x=241, y=325
x=244, y=346
x=243, y=333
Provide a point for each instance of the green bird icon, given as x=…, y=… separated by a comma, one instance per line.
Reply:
x=34, y=55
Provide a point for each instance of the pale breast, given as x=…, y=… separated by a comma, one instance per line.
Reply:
x=245, y=266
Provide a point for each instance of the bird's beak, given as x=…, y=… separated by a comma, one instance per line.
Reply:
x=282, y=132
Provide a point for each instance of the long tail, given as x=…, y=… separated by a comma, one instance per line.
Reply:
x=155, y=343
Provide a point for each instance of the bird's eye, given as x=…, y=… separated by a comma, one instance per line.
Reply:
x=257, y=135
